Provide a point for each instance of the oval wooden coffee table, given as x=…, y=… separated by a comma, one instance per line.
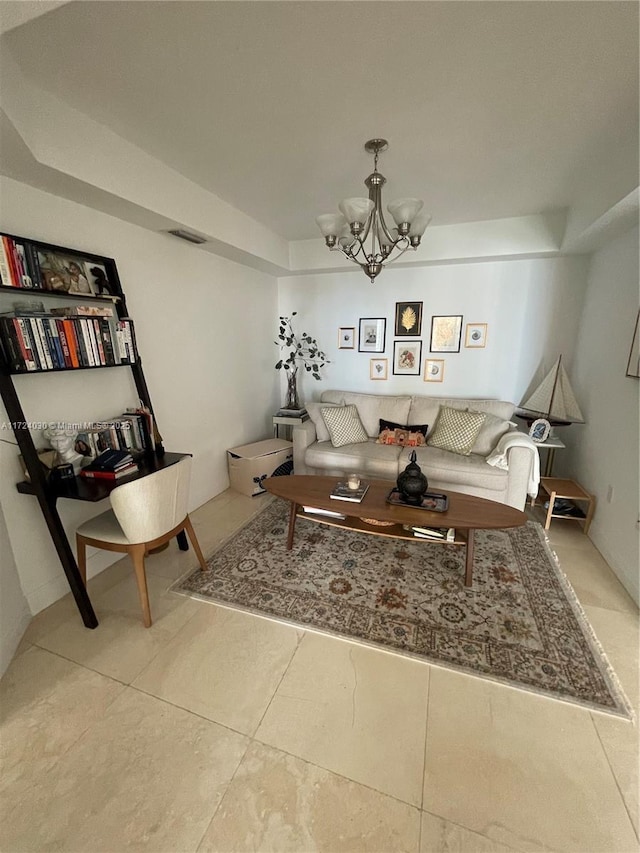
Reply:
x=466, y=513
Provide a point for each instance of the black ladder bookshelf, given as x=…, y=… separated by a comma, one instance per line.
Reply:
x=46, y=492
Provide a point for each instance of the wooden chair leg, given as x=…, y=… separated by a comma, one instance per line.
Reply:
x=137, y=556
x=196, y=545
x=81, y=548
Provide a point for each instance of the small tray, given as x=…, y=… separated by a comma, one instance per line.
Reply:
x=432, y=501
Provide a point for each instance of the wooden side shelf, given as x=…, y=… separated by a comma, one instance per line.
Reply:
x=557, y=487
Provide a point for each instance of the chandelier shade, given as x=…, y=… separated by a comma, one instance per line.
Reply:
x=360, y=231
x=356, y=209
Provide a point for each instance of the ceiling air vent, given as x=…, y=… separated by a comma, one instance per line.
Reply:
x=189, y=236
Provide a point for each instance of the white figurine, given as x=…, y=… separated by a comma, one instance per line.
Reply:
x=62, y=441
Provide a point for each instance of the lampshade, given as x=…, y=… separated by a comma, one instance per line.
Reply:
x=356, y=209
x=404, y=209
x=331, y=224
x=419, y=225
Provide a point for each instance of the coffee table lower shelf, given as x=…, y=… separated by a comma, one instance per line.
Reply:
x=390, y=531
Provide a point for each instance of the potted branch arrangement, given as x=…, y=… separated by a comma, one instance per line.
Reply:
x=297, y=350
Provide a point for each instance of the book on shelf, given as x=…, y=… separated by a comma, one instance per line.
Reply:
x=290, y=413
x=54, y=342
x=440, y=534
x=92, y=474
x=111, y=460
x=83, y=311
x=342, y=492
x=316, y=510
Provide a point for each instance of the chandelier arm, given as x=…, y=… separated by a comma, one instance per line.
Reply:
x=401, y=249
x=386, y=231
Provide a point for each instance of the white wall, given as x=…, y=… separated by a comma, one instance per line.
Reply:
x=14, y=610
x=205, y=330
x=532, y=308
x=604, y=452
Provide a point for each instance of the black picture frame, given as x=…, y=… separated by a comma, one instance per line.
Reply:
x=414, y=348
x=372, y=332
x=405, y=311
x=446, y=333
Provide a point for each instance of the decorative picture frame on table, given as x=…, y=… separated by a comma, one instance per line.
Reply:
x=346, y=337
x=378, y=368
x=475, y=335
x=539, y=430
x=408, y=319
x=372, y=332
x=433, y=370
x=406, y=358
x=633, y=365
x=446, y=332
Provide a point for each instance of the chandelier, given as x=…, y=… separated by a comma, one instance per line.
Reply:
x=362, y=220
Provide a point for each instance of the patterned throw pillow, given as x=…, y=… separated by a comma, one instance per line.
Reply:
x=344, y=425
x=402, y=436
x=456, y=430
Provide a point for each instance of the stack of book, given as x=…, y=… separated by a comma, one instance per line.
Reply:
x=440, y=534
x=110, y=465
x=79, y=337
x=342, y=492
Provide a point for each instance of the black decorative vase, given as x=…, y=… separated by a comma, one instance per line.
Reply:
x=412, y=483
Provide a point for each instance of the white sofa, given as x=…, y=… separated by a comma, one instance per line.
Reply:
x=314, y=453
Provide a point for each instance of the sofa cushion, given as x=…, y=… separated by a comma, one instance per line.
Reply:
x=372, y=407
x=322, y=433
x=370, y=459
x=424, y=410
x=344, y=425
x=456, y=430
x=450, y=469
x=404, y=436
x=490, y=434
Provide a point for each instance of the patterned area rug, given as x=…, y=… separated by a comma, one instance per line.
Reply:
x=520, y=623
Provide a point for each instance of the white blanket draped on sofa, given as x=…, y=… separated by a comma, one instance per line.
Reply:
x=499, y=458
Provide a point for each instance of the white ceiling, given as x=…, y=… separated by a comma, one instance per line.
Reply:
x=492, y=109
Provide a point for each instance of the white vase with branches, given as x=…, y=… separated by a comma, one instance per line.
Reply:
x=297, y=350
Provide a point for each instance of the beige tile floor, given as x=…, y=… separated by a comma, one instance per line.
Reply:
x=219, y=731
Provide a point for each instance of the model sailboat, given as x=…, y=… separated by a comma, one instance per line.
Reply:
x=553, y=399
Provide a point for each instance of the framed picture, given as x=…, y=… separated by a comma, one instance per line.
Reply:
x=476, y=335
x=67, y=273
x=406, y=358
x=633, y=365
x=539, y=430
x=408, y=319
x=346, y=337
x=372, y=334
x=378, y=368
x=446, y=333
x=433, y=369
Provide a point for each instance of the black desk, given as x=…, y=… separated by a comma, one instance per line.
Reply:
x=84, y=489
x=81, y=489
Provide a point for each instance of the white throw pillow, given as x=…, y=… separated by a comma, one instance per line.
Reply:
x=344, y=425
x=313, y=409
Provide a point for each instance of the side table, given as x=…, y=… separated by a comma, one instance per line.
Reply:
x=288, y=422
x=551, y=444
x=557, y=487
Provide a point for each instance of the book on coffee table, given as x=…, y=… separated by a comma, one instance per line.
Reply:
x=342, y=492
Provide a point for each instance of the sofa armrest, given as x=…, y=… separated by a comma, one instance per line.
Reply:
x=521, y=476
x=516, y=453
x=303, y=435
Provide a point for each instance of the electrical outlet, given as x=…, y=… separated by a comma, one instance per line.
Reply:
x=609, y=494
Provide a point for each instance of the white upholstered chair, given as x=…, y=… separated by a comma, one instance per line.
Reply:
x=144, y=514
